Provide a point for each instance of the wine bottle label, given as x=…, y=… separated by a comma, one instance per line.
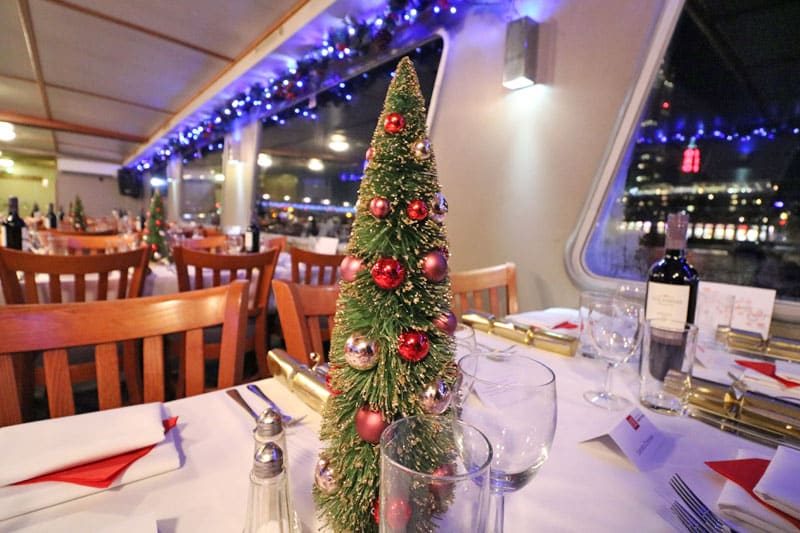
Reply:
x=248, y=240
x=667, y=302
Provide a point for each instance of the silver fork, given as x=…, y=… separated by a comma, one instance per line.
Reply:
x=687, y=519
x=703, y=513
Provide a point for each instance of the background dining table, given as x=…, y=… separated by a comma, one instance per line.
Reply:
x=583, y=486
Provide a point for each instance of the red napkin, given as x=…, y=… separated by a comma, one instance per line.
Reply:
x=565, y=325
x=99, y=474
x=768, y=369
x=746, y=473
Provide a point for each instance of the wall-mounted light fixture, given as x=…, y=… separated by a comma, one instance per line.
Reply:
x=522, y=38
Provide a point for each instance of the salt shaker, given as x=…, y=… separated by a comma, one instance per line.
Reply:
x=268, y=504
x=269, y=428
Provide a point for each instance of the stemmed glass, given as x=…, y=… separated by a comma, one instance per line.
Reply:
x=615, y=327
x=511, y=398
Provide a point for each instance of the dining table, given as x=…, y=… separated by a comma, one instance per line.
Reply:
x=586, y=484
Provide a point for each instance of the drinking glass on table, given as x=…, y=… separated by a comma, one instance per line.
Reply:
x=511, y=398
x=615, y=327
x=587, y=298
x=442, y=487
x=466, y=343
x=234, y=243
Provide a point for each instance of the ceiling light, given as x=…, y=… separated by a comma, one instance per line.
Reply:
x=338, y=143
x=306, y=200
x=7, y=132
x=325, y=201
x=519, y=69
x=264, y=160
x=157, y=182
x=316, y=165
x=6, y=164
x=286, y=198
x=219, y=177
x=265, y=196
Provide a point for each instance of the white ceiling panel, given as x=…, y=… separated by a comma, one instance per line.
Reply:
x=226, y=28
x=14, y=60
x=110, y=115
x=94, y=143
x=115, y=60
x=30, y=140
x=86, y=152
x=17, y=96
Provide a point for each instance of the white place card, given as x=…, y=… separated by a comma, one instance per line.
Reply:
x=638, y=440
x=752, y=309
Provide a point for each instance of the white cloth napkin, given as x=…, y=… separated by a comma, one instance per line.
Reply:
x=780, y=484
x=20, y=499
x=36, y=448
x=550, y=318
x=788, y=370
x=736, y=503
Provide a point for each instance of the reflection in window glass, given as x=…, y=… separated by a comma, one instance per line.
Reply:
x=201, y=185
x=312, y=155
x=719, y=139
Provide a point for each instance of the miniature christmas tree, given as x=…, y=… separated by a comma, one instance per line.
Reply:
x=78, y=215
x=391, y=352
x=155, y=232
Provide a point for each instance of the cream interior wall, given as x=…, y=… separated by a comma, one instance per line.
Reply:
x=516, y=167
x=29, y=183
x=99, y=195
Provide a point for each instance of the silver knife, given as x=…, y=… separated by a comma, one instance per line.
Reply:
x=233, y=393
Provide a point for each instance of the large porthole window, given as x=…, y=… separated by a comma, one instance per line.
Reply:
x=718, y=137
x=312, y=154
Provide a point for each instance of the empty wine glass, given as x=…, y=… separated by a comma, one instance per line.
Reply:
x=511, y=398
x=615, y=327
x=234, y=243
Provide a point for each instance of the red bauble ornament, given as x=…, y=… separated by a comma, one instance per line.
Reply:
x=370, y=424
x=434, y=265
x=350, y=267
x=413, y=345
x=440, y=488
x=398, y=514
x=394, y=123
x=376, y=511
x=334, y=392
x=417, y=209
x=446, y=322
x=388, y=273
x=379, y=207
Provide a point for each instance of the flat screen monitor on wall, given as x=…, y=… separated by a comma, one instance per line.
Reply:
x=129, y=183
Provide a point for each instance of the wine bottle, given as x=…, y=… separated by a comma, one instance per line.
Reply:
x=51, y=222
x=252, y=235
x=672, y=281
x=61, y=213
x=13, y=226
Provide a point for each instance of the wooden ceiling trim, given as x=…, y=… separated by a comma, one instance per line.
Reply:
x=24, y=10
x=275, y=26
x=60, y=125
x=142, y=29
x=17, y=78
x=110, y=98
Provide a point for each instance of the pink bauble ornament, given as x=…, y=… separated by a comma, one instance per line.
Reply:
x=360, y=352
x=379, y=207
x=439, y=209
x=324, y=477
x=417, y=209
x=370, y=424
x=434, y=265
x=388, y=273
x=394, y=123
x=350, y=267
x=446, y=322
x=435, y=397
x=413, y=346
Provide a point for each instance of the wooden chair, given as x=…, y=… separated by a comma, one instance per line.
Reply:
x=208, y=269
x=306, y=313
x=103, y=324
x=277, y=242
x=99, y=244
x=73, y=271
x=214, y=243
x=470, y=286
x=319, y=269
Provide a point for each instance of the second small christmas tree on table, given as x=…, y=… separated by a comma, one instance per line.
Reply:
x=391, y=351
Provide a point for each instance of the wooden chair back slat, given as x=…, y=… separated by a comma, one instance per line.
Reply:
x=116, y=321
x=320, y=269
x=217, y=278
x=280, y=243
x=95, y=244
x=102, y=286
x=109, y=392
x=58, y=383
x=306, y=313
x=214, y=243
x=80, y=288
x=10, y=404
x=195, y=362
x=471, y=289
x=153, y=365
x=31, y=290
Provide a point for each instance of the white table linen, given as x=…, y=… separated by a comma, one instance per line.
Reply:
x=780, y=484
x=582, y=487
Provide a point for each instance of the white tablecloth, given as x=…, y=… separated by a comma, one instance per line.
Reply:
x=582, y=487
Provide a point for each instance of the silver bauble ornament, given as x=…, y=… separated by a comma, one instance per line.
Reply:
x=435, y=397
x=360, y=352
x=439, y=208
x=325, y=477
x=422, y=149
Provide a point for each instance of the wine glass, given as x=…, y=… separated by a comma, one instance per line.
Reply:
x=615, y=327
x=511, y=398
x=234, y=243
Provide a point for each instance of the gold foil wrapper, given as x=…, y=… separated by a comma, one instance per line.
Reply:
x=749, y=343
x=541, y=338
x=307, y=384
